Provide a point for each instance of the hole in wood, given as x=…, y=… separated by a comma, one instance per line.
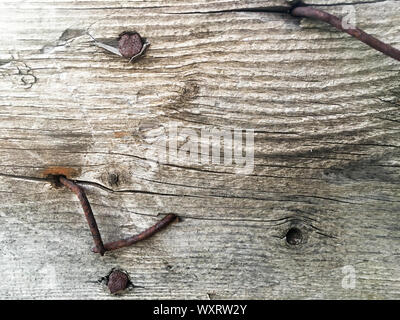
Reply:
x=294, y=236
x=55, y=180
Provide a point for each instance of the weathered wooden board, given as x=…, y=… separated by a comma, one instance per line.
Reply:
x=324, y=109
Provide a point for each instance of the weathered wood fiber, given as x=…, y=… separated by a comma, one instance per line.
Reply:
x=324, y=107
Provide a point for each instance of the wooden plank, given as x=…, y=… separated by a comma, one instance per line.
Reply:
x=324, y=109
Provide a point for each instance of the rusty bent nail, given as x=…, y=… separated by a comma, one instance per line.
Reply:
x=87, y=211
x=139, y=237
x=99, y=246
x=302, y=10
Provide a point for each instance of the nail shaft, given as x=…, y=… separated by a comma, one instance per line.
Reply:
x=309, y=12
x=87, y=211
x=139, y=237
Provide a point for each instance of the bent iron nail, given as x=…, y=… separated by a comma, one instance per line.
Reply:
x=305, y=11
x=87, y=210
x=139, y=237
x=100, y=247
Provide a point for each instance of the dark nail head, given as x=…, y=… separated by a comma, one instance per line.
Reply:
x=117, y=281
x=130, y=44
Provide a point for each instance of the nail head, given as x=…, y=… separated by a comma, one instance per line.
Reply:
x=117, y=281
x=130, y=44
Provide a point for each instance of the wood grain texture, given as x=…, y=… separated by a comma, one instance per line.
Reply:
x=324, y=109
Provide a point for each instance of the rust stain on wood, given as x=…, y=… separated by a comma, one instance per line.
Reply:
x=121, y=134
x=60, y=171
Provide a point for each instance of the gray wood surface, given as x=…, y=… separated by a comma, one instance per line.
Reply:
x=324, y=109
